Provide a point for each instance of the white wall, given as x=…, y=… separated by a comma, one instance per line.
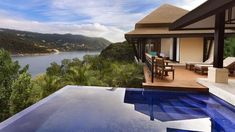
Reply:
x=191, y=50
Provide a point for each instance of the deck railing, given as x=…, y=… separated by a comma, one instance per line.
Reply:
x=150, y=62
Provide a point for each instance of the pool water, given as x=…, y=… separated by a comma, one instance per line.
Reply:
x=77, y=108
x=173, y=106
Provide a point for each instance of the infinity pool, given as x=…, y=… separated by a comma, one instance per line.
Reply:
x=77, y=108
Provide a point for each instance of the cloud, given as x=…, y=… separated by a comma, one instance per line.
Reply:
x=93, y=30
x=190, y=4
x=120, y=13
x=95, y=18
x=116, y=13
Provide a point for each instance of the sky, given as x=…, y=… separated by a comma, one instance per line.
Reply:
x=109, y=19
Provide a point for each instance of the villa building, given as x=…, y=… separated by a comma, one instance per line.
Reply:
x=152, y=34
x=219, y=18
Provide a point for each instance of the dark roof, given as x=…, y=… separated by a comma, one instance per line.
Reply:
x=203, y=17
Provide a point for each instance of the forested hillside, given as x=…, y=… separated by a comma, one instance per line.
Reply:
x=20, y=42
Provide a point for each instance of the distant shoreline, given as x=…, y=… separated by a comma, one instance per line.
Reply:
x=55, y=51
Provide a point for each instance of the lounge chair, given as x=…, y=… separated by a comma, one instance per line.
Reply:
x=228, y=63
x=163, y=69
x=191, y=65
x=201, y=68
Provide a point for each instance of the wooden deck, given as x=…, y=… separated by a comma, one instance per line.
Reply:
x=185, y=80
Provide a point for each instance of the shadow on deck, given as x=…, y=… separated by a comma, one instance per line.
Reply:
x=185, y=80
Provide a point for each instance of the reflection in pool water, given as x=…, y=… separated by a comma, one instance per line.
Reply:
x=101, y=109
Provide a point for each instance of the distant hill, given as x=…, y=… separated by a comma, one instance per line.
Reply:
x=22, y=42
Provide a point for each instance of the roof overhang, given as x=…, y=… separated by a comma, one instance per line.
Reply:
x=203, y=17
x=165, y=33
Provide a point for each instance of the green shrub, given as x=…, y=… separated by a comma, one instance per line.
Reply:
x=229, y=47
x=119, y=52
x=21, y=89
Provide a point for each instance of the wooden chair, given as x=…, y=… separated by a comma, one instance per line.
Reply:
x=163, y=69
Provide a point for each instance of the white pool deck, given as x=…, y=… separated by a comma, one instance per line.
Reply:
x=221, y=90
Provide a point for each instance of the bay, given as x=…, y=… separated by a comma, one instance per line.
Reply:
x=39, y=63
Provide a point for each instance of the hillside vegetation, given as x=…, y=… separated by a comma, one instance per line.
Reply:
x=115, y=67
x=21, y=42
x=118, y=51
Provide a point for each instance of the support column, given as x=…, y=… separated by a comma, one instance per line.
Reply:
x=205, y=49
x=157, y=45
x=217, y=73
x=133, y=43
x=143, y=50
x=174, y=49
x=219, y=40
x=135, y=50
x=139, y=43
x=141, y=47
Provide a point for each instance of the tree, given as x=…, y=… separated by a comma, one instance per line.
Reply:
x=54, y=69
x=9, y=72
x=21, y=89
x=49, y=84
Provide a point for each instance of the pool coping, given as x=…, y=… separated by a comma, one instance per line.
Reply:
x=224, y=91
